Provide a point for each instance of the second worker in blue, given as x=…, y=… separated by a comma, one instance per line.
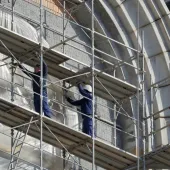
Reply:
x=86, y=107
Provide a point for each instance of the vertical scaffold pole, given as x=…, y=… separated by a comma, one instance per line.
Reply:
x=12, y=144
x=12, y=82
x=64, y=112
x=151, y=113
x=143, y=102
x=115, y=118
x=138, y=94
x=12, y=16
x=12, y=59
x=41, y=60
x=92, y=70
x=64, y=6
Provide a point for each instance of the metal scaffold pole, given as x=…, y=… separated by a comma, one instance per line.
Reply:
x=12, y=58
x=41, y=60
x=12, y=144
x=12, y=16
x=64, y=110
x=12, y=99
x=64, y=6
x=12, y=83
x=138, y=93
x=115, y=118
x=93, y=97
x=143, y=101
x=152, y=116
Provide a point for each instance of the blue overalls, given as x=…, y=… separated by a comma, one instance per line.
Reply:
x=37, y=88
x=86, y=108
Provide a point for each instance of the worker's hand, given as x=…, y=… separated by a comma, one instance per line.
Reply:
x=80, y=82
x=16, y=64
x=67, y=98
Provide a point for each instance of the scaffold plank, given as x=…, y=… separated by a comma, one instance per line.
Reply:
x=118, y=88
x=20, y=45
x=160, y=157
x=24, y=48
x=107, y=156
x=157, y=159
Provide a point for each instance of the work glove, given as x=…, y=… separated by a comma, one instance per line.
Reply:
x=68, y=99
x=80, y=82
x=16, y=64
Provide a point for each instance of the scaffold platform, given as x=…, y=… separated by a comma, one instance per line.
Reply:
x=158, y=159
x=25, y=51
x=59, y=135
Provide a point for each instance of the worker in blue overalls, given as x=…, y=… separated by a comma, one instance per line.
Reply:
x=35, y=76
x=86, y=107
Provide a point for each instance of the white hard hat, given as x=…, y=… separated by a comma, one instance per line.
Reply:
x=88, y=88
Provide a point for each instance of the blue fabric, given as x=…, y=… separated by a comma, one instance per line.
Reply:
x=37, y=88
x=88, y=126
x=37, y=104
x=86, y=108
x=86, y=104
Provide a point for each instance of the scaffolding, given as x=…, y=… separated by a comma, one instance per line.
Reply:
x=104, y=85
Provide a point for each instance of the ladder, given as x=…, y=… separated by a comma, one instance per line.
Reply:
x=24, y=166
x=17, y=145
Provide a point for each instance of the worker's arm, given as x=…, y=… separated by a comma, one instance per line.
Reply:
x=27, y=72
x=84, y=92
x=75, y=103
